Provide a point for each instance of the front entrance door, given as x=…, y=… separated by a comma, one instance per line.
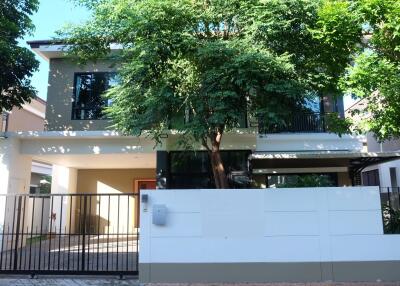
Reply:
x=142, y=184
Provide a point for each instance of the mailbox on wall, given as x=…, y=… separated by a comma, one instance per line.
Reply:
x=159, y=215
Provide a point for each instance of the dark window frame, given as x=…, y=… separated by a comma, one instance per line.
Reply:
x=74, y=107
x=204, y=174
x=371, y=178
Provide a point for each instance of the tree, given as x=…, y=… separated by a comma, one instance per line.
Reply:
x=375, y=74
x=214, y=62
x=17, y=64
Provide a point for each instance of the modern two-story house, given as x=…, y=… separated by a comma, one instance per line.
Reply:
x=78, y=140
x=92, y=162
x=80, y=144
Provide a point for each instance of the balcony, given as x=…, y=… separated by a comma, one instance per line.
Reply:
x=303, y=132
x=296, y=123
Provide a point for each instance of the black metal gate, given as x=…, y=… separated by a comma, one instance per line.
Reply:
x=69, y=234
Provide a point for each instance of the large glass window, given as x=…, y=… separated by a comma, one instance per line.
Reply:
x=193, y=169
x=88, y=102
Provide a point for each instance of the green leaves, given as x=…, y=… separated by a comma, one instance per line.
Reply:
x=375, y=74
x=203, y=65
x=16, y=64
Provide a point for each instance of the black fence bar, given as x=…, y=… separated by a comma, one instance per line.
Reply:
x=390, y=201
x=298, y=122
x=69, y=234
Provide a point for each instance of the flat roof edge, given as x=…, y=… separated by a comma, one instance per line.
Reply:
x=321, y=154
x=35, y=44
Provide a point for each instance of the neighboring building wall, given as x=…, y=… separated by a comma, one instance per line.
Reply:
x=386, y=178
x=290, y=235
x=60, y=95
x=28, y=118
x=375, y=146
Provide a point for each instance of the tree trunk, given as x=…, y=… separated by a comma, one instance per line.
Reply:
x=217, y=166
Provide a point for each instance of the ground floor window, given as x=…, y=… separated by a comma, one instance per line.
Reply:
x=371, y=178
x=192, y=170
x=302, y=180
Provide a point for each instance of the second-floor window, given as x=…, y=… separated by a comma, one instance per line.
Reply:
x=88, y=100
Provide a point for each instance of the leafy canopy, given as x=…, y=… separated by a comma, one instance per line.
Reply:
x=17, y=64
x=375, y=74
x=213, y=61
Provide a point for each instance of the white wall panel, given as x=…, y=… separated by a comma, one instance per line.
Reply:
x=179, y=225
x=355, y=222
x=354, y=198
x=285, y=225
x=365, y=248
x=291, y=223
x=299, y=199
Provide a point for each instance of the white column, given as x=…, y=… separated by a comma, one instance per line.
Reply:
x=15, y=173
x=15, y=168
x=64, y=181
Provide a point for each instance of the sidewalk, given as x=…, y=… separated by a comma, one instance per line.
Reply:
x=47, y=281
x=133, y=282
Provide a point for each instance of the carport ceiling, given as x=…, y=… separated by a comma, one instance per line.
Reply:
x=102, y=161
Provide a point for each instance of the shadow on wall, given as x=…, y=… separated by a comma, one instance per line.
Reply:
x=104, y=214
x=114, y=201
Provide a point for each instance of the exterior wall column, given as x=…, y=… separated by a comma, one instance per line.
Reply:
x=15, y=172
x=64, y=181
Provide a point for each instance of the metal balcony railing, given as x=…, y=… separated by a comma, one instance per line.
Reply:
x=298, y=122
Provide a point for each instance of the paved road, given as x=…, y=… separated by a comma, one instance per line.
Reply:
x=67, y=282
x=5, y=281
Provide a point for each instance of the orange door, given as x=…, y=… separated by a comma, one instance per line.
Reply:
x=142, y=184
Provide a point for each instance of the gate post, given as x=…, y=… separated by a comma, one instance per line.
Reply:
x=84, y=231
x=17, y=229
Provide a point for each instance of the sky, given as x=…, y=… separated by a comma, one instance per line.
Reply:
x=51, y=16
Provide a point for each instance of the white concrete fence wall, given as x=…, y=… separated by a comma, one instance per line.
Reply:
x=303, y=234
